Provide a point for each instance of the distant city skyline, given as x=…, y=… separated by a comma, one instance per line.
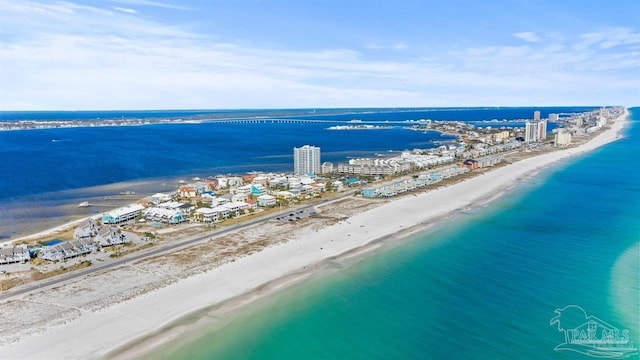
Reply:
x=148, y=54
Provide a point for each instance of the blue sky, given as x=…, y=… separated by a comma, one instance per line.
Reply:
x=148, y=54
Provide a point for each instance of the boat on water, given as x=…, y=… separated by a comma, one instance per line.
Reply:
x=84, y=204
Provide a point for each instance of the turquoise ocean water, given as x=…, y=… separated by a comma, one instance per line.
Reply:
x=482, y=286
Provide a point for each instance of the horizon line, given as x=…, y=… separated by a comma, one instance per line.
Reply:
x=321, y=108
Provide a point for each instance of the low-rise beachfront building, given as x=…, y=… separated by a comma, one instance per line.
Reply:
x=236, y=208
x=221, y=201
x=487, y=161
x=373, y=167
x=200, y=187
x=258, y=189
x=337, y=186
x=307, y=189
x=207, y=215
x=207, y=195
x=562, y=138
x=488, y=150
x=500, y=136
x=239, y=197
x=187, y=191
x=165, y=216
x=284, y=195
x=68, y=250
x=244, y=189
x=86, y=230
x=110, y=236
x=212, y=183
x=295, y=192
x=160, y=198
x=172, y=205
x=123, y=214
x=222, y=211
x=419, y=161
x=327, y=168
x=279, y=183
x=404, y=185
x=261, y=180
x=186, y=209
x=266, y=200
x=14, y=254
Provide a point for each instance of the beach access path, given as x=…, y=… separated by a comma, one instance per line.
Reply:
x=97, y=334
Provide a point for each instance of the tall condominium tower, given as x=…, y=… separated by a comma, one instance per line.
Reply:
x=536, y=115
x=531, y=132
x=306, y=160
x=542, y=129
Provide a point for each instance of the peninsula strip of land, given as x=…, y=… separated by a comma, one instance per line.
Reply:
x=99, y=314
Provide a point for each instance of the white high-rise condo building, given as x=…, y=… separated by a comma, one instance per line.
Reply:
x=306, y=160
x=542, y=129
x=531, y=132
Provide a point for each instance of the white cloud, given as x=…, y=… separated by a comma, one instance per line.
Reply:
x=152, y=4
x=95, y=58
x=527, y=36
x=125, y=10
x=397, y=46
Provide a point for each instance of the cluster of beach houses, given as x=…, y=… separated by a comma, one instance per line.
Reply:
x=422, y=180
x=195, y=201
x=89, y=236
x=481, y=152
x=200, y=201
x=14, y=254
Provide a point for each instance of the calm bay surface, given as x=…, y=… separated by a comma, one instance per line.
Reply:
x=47, y=172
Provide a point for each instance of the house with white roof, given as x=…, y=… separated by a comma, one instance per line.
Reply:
x=262, y=180
x=266, y=200
x=14, y=254
x=284, y=195
x=173, y=205
x=258, y=189
x=164, y=215
x=67, y=250
x=109, y=236
x=307, y=189
x=207, y=215
x=245, y=189
x=160, y=198
x=86, y=230
x=123, y=214
x=239, y=197
x=236, y=208
x=306, y=180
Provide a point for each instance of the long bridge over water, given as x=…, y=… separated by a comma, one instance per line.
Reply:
x=268, y=121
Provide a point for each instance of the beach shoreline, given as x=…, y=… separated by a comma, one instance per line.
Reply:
x=104, y=333
x=212, y=316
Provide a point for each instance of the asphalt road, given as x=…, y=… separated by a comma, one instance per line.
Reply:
x=156, y=251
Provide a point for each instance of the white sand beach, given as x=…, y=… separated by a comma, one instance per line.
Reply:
x=96, y=334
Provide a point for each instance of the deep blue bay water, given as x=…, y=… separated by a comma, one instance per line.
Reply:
x=47, y=172
x=483, y=285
